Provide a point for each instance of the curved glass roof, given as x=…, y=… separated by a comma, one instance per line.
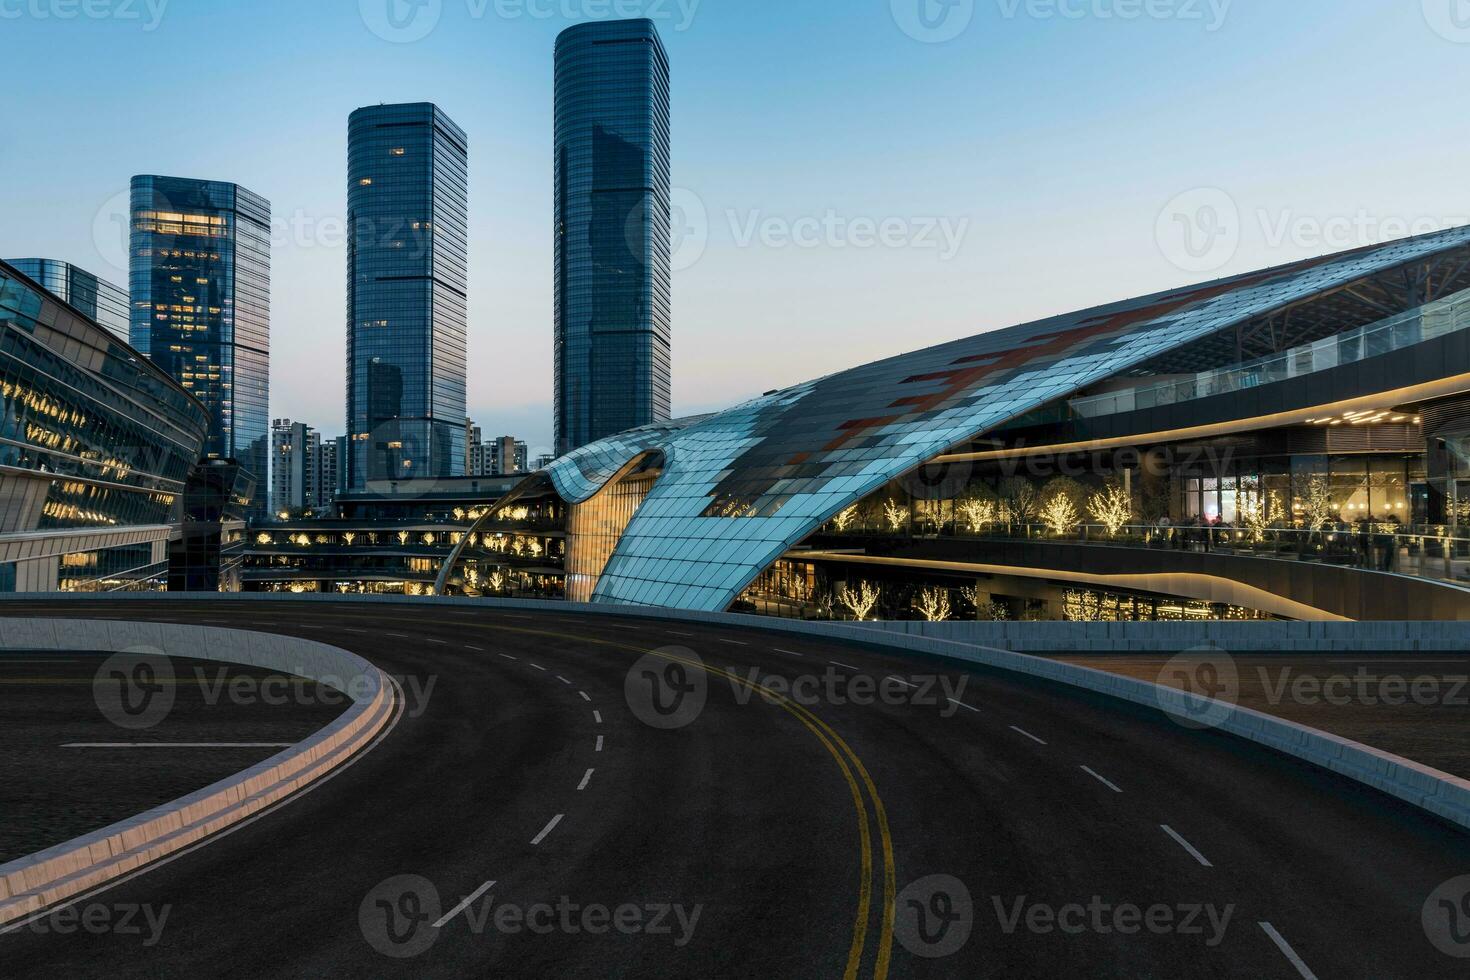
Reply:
x=741, y=487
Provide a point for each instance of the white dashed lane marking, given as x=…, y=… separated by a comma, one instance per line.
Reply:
x=734, y=643
x=563, y=680
x=1106, y=782
x=597, y=715
x=538, y=667
x=599, y=744
x=547, y=829
x=834, y=663
x=586, y=778
x=509, y=657
x=1287, y=951
x=1028, y=735
x=584, y=696
x=1186, y=845
x=789, y=653
x=962, y=704
x=468, y=900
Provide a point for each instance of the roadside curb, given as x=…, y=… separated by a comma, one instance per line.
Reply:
x=36, y=881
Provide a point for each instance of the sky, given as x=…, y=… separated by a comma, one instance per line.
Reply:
x=852, y=178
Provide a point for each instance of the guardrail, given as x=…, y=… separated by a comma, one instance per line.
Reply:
x=30, y=884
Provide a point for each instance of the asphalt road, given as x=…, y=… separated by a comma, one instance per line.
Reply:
x=66, y=769
x=1411, y=704
x=756, y=840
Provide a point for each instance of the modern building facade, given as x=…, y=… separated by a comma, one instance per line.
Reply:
x=406, y=293
x=199, y=279
x=611, y=210
x=91, y=295
x=296, y=455
x=501, y=456
x=1292, y=443
x=96, y=446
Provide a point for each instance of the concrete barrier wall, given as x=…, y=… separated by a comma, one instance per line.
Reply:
x=31, y=883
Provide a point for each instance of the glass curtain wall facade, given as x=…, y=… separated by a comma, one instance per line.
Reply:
x=96, y=444
x=612, y=275
x=407, y=216
x=200, y=282
x=97, y=298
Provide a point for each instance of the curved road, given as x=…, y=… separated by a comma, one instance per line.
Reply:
x=765, y=835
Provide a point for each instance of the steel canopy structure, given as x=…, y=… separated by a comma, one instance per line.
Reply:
x=739, y=488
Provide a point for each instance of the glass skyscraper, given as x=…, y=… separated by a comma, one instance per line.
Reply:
x=406, y=293
x=94, y=297
x=612, y=277
x=200, y=281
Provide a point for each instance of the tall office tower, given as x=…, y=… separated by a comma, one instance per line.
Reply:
x=200, y=279
x=329, y=471
x=612, y=276
x=97, y=298
x=406, y=293
x=296, y=450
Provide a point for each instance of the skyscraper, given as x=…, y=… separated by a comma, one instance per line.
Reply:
x=612, y=276
x=406, y=293
x=200, y=279
x=96, y=297
x=296, y=457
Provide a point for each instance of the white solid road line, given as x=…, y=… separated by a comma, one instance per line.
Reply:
x=469, y=899
x=789, y=653
x=1028, y=735
x=844, y=666
x=596, y=715
x=962, y=704
x=547, y=829
x=177, y=745
x=1106, y=782
x=584, y=696
x=1287, y=951
x=599, y=744
x=586, y=778
x=1186, y=845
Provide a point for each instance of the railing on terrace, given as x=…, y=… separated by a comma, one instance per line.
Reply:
x=1433, y=552
x=1384, y=336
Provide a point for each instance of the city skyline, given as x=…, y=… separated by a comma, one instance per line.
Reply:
x=766, y=145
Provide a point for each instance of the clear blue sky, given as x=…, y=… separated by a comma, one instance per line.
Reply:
x=1048, y=136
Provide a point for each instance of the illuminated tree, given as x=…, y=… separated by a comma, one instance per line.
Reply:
x=845, y=519
x=985, y=608
x=1257, y=512
x=977, y=513
x=861, y=601
x=403, y=537
x=1059, y=515
x=496, y=582
x=1318, y=511
x=895, y=515
x=1112, y=509
x=933, y=605
x=350, y=537
x=1020, y=498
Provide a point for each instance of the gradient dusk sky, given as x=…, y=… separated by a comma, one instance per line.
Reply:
x=852, y=179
